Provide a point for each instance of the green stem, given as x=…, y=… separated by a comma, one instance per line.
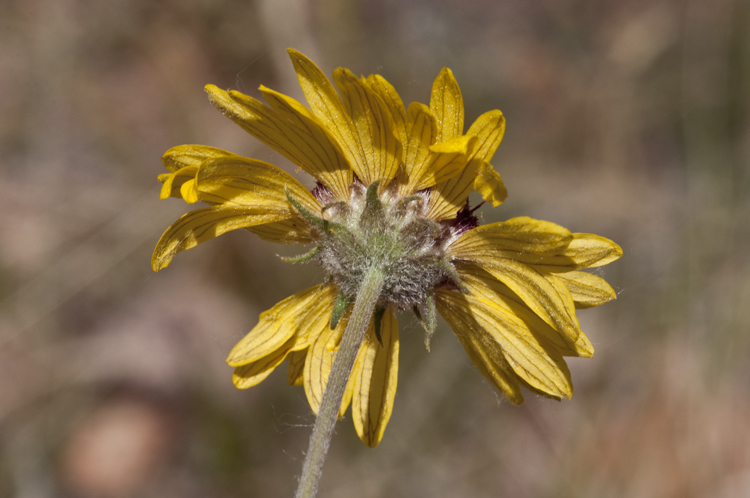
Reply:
x=364, y=305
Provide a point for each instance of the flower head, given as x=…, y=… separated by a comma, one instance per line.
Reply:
x=392, y=193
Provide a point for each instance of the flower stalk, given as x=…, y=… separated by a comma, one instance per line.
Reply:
x=364, y=305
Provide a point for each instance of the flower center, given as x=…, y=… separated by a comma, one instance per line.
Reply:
x=387, y=231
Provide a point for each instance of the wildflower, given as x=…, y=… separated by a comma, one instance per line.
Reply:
x=389, y=216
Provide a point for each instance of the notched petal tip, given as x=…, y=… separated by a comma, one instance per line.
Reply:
x=212, y=90
x=490, y=185
x=613, y=256
x=221, y=99
x=583, y=347
x=293, y=52
x=593, y=250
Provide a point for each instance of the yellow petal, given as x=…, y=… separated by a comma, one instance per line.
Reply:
x=583, y=345
x=172, y=182
x=447, y=104
x=205, y=224
x=318, y=364
x=183, y=156
x=446, y=159
x=295, y=230
x=489, y=129
x=183, y=162
x=586, y=289
x=591, y=250
x=483, y=285
x=295, y=316
x=254, y=373
x=421, y=134
x=249, y=182
x=531, y=358
x=375, y=387
x=540, y=392
x=374, y=127
x=337, y=173
x=487, y=355
x=326, y=105
x=584, y=251
x=349, y=391
x=295, y=134
x=552, y=303
x=489, y=184
x=189, y=191
x=318, y=320
x=426, y=162
x=447, y=197
x=296, y=360
x=498, y=248
x=319, y=92
x=393, y=102
x=450, y=196
x=505, y=238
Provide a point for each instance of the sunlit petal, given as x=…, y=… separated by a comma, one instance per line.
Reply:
x=376, y=133
x=426, y=162
x=318, y=364
x=450, y=196
x=206, y=223
x=481, y=284
x=507, y=238
x=254, y=373
x=295, y=133
x=447, y=105
x=183, y=156
x=249, y=182
x=375, y=386
x=551, y=303
x=172, y=182
x=530, y=357
x=586, y=289
x=394, y=103
x=295, y=316
x=487, y=355
x=489, y=185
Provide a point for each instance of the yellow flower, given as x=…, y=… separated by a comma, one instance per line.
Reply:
x=393, y=187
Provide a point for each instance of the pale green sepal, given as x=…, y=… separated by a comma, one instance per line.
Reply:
x=302, y=257
x=339, y=308
x=429, y=323
x=373, y=214
x=309, y=216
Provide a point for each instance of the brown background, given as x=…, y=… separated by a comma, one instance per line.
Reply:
x=627, y=119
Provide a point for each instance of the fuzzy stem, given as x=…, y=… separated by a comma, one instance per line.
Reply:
x=367, y=297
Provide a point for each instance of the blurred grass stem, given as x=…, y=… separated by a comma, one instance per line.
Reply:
x=364, y=305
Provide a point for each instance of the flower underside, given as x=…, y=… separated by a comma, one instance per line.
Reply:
x=392, y=195
x=385, y=231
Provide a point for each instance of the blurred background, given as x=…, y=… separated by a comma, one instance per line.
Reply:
x=627, y=119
